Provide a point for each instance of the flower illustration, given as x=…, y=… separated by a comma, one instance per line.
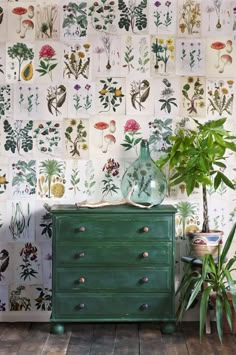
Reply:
x=29, y=255
x=111, y=169
x=132, y=135
x=47, y=61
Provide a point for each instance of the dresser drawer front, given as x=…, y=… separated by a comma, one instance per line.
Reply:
x=117, y=279
x=113, y=306
x=69, y=254
x=71, y=228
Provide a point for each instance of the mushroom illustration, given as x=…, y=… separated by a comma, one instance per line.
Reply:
x=112, y=126
x=218, y=46
x=31, y=11
x=19, y=11
x=225, y=59
x=229, y=47
x=101, y=126
x=27, y=25
x=109, y=139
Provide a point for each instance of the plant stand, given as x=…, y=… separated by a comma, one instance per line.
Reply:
x=197, y=264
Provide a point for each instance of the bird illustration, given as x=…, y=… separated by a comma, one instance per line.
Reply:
x=4, y=262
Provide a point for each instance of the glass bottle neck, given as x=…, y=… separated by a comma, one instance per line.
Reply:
x=144, y=150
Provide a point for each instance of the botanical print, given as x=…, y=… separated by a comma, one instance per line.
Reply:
x=136, y=55
x=18, y=138
x=160, y=131
x=101, y=16
x=187, y=219
x=193, y=96
x=4, y=299
x=3, y=21
x=163, y=17
x=189, y=18
x=46, y=22
x=190, y=57
x=216, y=17
x=21, y=221
x=76, y=138
x=28, y=101
x=111, y=96
x=220, y=98
x=220, y=57
x=133, y=15
x=56, y=100
x=27, y=263
x=132, y=135
x=45, y=222
x=82, y=102
x=162, y=55
x=3, y=180
x=5, y=263
x=233, y=11
x=2, y=63
x=5, y=100
x=19, y=62
x=74, y=20
x=21, y=21
x=111, y=178
x=24, y=179
x=46, y=250
x=166, y=99
x=76, y=61
x=19, y=300
x=51, y=178
x=104, y=135
x=107, y=52
x=90, y=181
x=138, y=101
x=43, y=299
x=47, y=62
x=47, y=138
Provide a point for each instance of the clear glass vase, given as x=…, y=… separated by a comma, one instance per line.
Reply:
x=146, y=181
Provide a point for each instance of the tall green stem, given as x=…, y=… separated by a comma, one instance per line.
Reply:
x=205, y=225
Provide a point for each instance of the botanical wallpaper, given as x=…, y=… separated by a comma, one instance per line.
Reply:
x=81, y=83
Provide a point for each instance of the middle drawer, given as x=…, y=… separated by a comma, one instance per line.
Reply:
x=74, y=254
x=100, y=279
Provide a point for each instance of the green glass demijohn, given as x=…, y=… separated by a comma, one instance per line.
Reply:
x=146, y=181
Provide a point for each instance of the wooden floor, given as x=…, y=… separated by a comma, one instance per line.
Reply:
x=110, y=339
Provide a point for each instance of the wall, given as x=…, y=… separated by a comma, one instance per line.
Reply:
x=80, y=84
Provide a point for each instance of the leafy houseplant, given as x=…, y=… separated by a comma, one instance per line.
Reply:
x=197, y=158
x=214, y=278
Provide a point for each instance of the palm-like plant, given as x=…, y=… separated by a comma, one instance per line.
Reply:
x=50, y=168
x=213, y=278
x=185, y=210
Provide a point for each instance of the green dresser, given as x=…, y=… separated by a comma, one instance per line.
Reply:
x=113, y=264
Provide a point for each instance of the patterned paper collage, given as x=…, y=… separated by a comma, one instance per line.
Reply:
x=81, y=83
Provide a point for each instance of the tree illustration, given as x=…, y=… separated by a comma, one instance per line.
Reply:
x=50, y=168
x=21, y=52
x=185, y=210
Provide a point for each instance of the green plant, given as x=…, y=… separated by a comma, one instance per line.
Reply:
x=21, y=52
x=214, y=278
x=75, y=15
x=132, y=15
x=197, y=158
x=50, y=168
x=17, y=137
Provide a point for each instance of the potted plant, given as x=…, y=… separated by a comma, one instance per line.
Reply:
x=212, y=279
x=196, y=158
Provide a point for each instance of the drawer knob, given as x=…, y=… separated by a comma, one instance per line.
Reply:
x=145, y=254
x=79, y=255
x=146, y=229
x=144, y=306
x=144, y=280
x=80, y=306
x=82, y=229
x=81, y=280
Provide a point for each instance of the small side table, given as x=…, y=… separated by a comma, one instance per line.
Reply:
x=197, y=263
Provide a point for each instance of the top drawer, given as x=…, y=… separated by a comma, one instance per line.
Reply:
x=97, y=227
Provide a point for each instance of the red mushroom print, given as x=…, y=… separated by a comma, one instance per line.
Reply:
x=218, y=46
x=229, y=46
x=31, y=11
x=225, y=59
x=101, y=126
x=19, y=11
x=27, y=26
x=109, y=139
x=112, y=126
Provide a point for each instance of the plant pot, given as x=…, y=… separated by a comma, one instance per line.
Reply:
x=205, y=243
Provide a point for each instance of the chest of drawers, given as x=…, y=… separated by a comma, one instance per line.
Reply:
x=113, y=264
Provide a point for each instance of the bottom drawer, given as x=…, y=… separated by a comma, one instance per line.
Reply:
x=85, y=306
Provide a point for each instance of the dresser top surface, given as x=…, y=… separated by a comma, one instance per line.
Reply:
x=59, y=209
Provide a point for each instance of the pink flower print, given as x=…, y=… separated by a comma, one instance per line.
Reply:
x=157, y=3
x=47, y=63
x=131, y=126
x=47, y=52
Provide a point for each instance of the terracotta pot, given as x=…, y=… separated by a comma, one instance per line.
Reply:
x=205, y=243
